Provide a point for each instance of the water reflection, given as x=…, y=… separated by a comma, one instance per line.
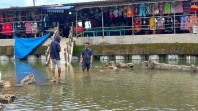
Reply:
x=119, y=89
x=23, y=69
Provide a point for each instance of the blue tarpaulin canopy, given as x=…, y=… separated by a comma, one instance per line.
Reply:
x=24, y=46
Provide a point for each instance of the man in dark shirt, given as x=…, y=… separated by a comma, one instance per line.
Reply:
x=86, y=57
x=55, y=56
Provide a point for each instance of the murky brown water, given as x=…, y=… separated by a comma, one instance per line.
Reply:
x=101, y=90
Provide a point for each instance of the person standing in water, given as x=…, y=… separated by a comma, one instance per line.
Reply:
x=55, y=57
x=86, y=57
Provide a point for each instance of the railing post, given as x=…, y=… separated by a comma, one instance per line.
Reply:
x=65, y=54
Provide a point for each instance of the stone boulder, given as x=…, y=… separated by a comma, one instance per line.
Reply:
x=110, y=64
x=5, y=84
x=29, y=79
x=1, y=107
x=7, y=98
x=125, y=65
x=162, y=66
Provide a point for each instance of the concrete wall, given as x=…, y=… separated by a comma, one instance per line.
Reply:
x=129, y=39
x=140, y=39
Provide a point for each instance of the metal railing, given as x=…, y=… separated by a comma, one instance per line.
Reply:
x=47, y=52
x=68, y=51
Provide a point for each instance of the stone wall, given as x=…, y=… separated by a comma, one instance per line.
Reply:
x=9, y=50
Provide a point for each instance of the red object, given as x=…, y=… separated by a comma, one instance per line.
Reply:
x=111, y=14
x=137, y=24
x=7, y=29
x=78, y=29
x=194, y=8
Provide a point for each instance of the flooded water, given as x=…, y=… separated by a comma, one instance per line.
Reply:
x=100, y=89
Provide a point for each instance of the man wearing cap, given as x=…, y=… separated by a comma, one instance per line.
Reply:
x=86, y=57
x=55, y=56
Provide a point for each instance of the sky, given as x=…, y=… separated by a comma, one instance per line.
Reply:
x=21, y=3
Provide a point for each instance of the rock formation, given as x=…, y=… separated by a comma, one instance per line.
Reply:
x=1, y=107
x=29, y=79
x=125, y=65
x=113, y=65
x=162, y=66
x=7, y=98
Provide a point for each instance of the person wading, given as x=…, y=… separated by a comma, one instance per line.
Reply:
x=55, y=57
x=86, y=57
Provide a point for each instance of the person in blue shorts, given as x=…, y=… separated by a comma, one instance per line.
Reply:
x=55, y=57
x=86, y=57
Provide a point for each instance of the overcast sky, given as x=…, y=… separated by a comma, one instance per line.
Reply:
x=19, y=3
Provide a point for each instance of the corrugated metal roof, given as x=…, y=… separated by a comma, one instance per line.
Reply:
x=107, y=3
x=102, y=3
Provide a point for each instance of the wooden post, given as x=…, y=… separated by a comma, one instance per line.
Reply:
x=65, y=56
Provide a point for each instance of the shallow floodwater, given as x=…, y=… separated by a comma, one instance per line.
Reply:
x=101, y=89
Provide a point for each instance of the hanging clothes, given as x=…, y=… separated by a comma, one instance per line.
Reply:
x=121, y=11
x=28, y=27
x=144, y=24
x=34, y=27
x=111, y=14
x=149, y=8
x=142, y=11
x=167, y=8
x=168, y=24
x=129, y=11
x=193, y=20
x=174, y=7
x=193, y=8
x=136, y=9
x=152, y=23
x=179, y=7
x=186, y=7
x=184, y=25
x=116, y=13
x=160, y=23
x=7, y=29
x=161, y=9
x=137, y=25
x=156, y=8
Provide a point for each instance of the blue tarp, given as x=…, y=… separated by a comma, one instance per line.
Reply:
x=24, y=46
x=23, y=69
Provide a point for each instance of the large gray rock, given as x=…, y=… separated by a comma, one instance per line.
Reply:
x=125, y=65
x=1, y=107
x=110, y=64
x=162, y=66
x=7, y=98
x=29, y=79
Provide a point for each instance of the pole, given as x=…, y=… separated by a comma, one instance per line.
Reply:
x=34, y=2
x=102, y=22
x=174, y=23
x=132, y=26
x=154, y=18
x=34, y=16
x=76, y=22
